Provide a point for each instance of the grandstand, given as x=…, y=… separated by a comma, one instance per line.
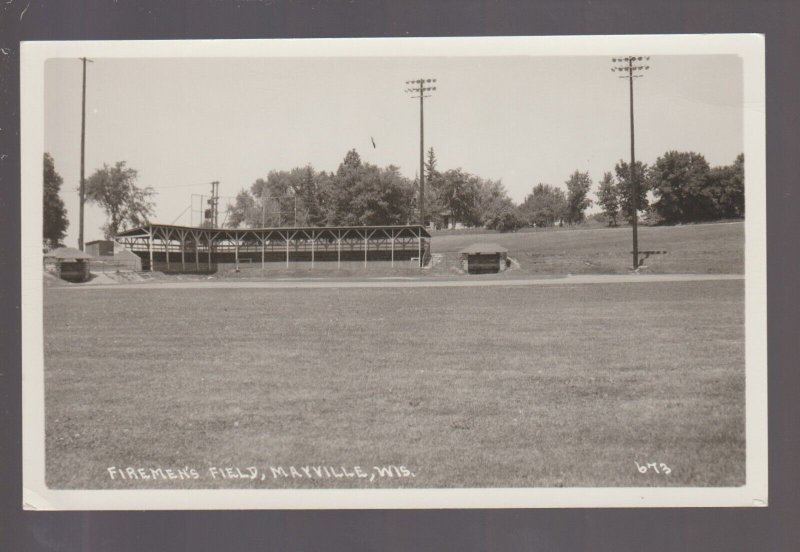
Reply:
x=178, y=249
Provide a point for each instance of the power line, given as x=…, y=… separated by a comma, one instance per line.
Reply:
x=182, y=213
x=179, y=186
x=419, y=88
x=626, y=66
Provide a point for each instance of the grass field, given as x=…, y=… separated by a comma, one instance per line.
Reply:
x=564, y=385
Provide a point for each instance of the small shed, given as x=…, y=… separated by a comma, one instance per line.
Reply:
x=484, y=258
x=69, y=263
x=100, y=248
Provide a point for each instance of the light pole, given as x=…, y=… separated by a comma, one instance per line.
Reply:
x=625, y=65
x=418, y=89
x=82, y=190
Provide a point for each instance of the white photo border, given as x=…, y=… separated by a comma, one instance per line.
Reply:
x=37, y=496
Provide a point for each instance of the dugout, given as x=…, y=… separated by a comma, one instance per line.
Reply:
x=68, y=263
x=180, y=249
x=484, y=258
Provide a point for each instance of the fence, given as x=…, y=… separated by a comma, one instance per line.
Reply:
x=116, y=265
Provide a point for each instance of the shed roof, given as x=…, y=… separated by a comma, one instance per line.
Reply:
x=67, y=254
x=484, y=249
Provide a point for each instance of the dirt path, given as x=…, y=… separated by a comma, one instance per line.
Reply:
x=421, y=282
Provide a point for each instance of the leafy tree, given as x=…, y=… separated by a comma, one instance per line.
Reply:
x=434, y=208
x=310, y=197
x=430, y=166
x=241, y=212
x=55, y=215
x=544, y=206
x=578, y=187
x=497, y=210
x=380, y=197
x=325, y=184
x=126, y=205
x=345, y=187
x=726, y=188
x=680, y=183
x=608, y=199
x=361, y=193
x=459, y=194
x=273, y=201
x=358, y=193
x=352, y=161
x=625, y=188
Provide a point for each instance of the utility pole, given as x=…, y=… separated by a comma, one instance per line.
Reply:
x=629, y=70
x=212, y=213
x=82, y=192
x=215, y=206
x=418, y=89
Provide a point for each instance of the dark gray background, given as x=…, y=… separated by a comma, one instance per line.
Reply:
x=768, y=529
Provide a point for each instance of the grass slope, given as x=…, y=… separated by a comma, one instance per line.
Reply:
x=537, y=386
x=700, y=248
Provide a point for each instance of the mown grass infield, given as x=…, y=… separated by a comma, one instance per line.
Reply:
x=562, y=385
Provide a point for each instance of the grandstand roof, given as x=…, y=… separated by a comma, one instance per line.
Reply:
x=415, y=229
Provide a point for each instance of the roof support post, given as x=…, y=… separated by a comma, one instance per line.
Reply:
x=209, y=251
x=365, y=249
x=313, y=239
x=183, y=249
x=419, y=246
x=236, y=242
x=287, y=249
x=196, y=244
x=393, y=238
x=263, y=245
x=166, y=235
x=150, y=247
x=338, y=249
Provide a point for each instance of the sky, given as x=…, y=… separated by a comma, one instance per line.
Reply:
x=182, y=123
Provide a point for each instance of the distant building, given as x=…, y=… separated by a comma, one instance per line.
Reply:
x=446, y=221
x=100, y=248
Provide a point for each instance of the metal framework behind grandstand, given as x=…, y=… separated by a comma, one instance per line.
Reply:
x=191, y=249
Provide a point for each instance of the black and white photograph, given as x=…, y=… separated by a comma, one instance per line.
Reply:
x=394, y=273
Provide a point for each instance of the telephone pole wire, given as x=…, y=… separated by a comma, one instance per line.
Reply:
x=626, y=66
x=82, y=192
x=418, y=89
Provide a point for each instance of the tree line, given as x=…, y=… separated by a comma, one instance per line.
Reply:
x=679, y=187
x=360, y=193
x=113, y=188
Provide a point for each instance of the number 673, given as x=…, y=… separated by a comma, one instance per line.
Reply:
x=655, y=467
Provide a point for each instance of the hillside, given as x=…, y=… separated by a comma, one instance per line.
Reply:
x=698, y=248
